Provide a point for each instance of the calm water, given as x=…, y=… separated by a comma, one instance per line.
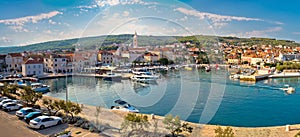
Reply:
x=194, y=96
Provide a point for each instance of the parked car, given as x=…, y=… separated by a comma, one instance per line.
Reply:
x=12, y=106
x=31, y=116
x=3, y=98
x=6, y=101
x=24, y=111
x=42, y=122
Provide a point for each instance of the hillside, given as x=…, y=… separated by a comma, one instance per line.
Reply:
x=96, y=42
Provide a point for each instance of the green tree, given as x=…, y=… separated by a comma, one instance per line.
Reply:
x=163, y=61
x=173, y=124
x=227, y=132
x=71, y=108
x=30, y=96
x=135, y=124
x=53, y=105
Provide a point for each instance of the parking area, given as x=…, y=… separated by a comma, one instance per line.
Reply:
x=11, y=126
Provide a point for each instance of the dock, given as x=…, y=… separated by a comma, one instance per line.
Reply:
x=285, y=75
x=54, y=76
x=254, y=77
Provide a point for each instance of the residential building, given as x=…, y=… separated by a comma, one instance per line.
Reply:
x=32, y=67
x=55, y=63
x=105, y=57
x=14, y=62
x=2, y=63
x=150, y=57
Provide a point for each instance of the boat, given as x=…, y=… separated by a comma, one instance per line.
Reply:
x=39, y=87
x=146, y=77
x=288, y=89
x=124, y=106
x=188, y=68
x=235, y=76
x=207, y=68
x=112, y=77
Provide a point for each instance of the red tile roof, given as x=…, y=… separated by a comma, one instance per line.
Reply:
x=15, y=54
x=34, y=61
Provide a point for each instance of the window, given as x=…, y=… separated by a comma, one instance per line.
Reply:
x=63, y=59
x=55, y=65
x=28, y=67
x=33, y=72
x=39, y=66
x=33, y=66
x=55, y=60
x=16, y=65
x=28, y=72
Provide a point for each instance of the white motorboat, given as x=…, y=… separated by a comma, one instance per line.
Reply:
x=288, y=89
x=235, y=76
x=124, y=106
x=146, y=78
x=39, y=87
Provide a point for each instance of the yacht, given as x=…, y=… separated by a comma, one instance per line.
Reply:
x=39, y=87
x=235, y=76
x=124, y=106
x=288, y=89
x=144, y=77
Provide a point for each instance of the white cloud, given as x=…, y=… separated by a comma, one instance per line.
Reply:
x=88, y=7
x=296, y=33
x=216, y=20
x=6, y=40
x=52, y=22
x=259, y=33
x=17, y=24
x=102, y=3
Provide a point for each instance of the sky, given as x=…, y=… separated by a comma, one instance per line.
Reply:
x=24, y=22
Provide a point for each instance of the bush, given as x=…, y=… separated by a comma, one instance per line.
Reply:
x=227, y=132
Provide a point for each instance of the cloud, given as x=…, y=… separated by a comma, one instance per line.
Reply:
x=6, y=40
x=216, y=20
x=296, y=33
x=17, y=24
x=103, y=3
x=259, y=33
x=52, y=22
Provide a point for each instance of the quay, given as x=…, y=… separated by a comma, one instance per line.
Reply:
x=254, y=77
x=54, y=76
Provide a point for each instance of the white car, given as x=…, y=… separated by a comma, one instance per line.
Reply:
x=6, y=101
x=3, y=98
x=11, y=106
x=42, y=122
x=24, y=111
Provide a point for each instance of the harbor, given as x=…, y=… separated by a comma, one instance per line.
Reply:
x=248, y=97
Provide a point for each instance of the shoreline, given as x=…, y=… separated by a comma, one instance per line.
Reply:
x=112, y=119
